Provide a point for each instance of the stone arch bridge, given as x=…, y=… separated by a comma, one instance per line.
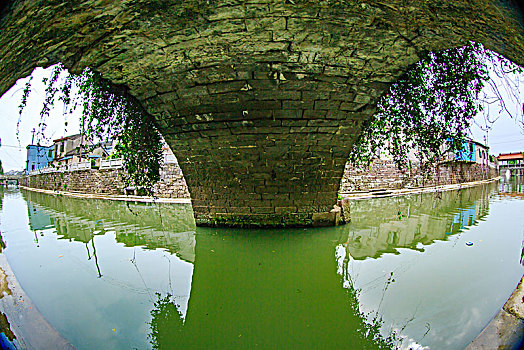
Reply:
x=6, y=180
x=259, y=99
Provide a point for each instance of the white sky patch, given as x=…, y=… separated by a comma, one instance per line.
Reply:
x=504, y=134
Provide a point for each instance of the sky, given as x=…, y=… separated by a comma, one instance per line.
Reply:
x=506, y=131
x=505, y=134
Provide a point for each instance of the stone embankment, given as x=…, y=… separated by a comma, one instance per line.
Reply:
x=380, y=175
x=108, y=182
x=383, y=174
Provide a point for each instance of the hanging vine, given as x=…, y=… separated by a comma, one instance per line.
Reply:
x=107, y=112
x=430, y=109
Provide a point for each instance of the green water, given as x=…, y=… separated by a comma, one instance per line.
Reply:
x=111, y=275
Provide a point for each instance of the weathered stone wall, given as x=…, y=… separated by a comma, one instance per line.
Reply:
x=260, y=99
x=110, y=181
x=172, y=183
x=380, y=175
x=384, y=174
x=86, y=181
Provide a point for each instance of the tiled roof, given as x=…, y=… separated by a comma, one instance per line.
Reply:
x=510, y=156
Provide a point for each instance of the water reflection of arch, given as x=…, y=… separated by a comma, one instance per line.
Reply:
x=384, y=224
x=169, y=227
x=266, y=289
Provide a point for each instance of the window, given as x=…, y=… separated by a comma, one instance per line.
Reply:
x=62, y=147
x=50, y=154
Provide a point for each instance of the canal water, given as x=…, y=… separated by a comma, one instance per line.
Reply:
x=424, y=271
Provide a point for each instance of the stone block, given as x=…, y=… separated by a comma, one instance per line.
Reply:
x=227, y=86
x=285, y=210
x=324, y=219
x=277, y=94
x=287, y=113
x=262, y=210
x=327, y=105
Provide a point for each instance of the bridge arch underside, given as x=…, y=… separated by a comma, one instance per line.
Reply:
x=259, y=100
x=267, y=147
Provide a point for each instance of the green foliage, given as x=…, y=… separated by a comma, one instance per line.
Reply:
x=428, y=110
x=166, y=322
x=1, y=168
x=108, y=112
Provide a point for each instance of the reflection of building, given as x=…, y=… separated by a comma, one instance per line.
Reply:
x=38, y=157
x=78, y=219
x=464, y=218
x=386, y=224
x=38, y=219
x=513, y=187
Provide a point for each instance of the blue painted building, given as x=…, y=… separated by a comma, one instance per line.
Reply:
x=38, y=157
x=467, y=153
x=474, y=152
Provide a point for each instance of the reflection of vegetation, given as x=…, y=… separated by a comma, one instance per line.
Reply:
x=169, y=331
x=384, y=224
x=372, y=321
x=167, y=322
x=5, y=327
x=169, y=227
x=2, y=243
x=522, y=254
x=371, y=325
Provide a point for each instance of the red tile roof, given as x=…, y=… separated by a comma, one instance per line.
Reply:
x=510, y=156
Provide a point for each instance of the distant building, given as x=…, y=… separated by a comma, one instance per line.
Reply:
x=512, y=162
x=64, y=147
x=38, y=157
x=74, y=149
x=472, y=151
